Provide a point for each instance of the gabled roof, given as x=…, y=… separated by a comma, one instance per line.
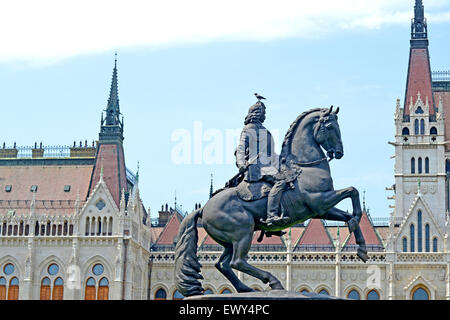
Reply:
x=170, y=231
x=370, y=235
x=315, y=234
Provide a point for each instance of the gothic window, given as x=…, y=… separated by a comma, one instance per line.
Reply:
x=420, y=293
x=9, y=269
x=13, y=290
x=93, y=226
x=27, y=229
x=435, y=245
x=87, y=226
x=90, y=293
x=58, y=289
x=54, y=230
x=413, y=165
x=2, y=288
x=427, y=165
x=419, y=110
x=419, y=231
x=65, y=228
x=21, y=228
x=53, y=269
x=36, y=229
x=411, y=238
x=422, y=126
x=324, y=292
x=405, y=131
x=405, y=244
x=110, y=226
x=99, y=224
x=373, y=295
x=100, y=204
x=98, y=269
x=416, y=126
x=161, y=294
x=47, y=230
x=45, y=289
x=419, y=165
x=103, y=289
x=354, y=295
x=427, y=237
x=225, y=291
x=433, y=130
x=208, y=291
x=70, y=229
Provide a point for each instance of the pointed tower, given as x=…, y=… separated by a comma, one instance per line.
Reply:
x=418, y=82
x=211, y=189
x=110, y=159
x=420, y=128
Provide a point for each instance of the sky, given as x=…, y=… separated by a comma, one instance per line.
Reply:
x=187, y=73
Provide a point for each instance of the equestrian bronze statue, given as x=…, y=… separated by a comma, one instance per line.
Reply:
x=234, y=213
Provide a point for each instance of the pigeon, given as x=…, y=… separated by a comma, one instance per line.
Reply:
x=259, y=97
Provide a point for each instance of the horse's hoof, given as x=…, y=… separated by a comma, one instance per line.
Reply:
x=362, y=254
x=352, y=224
x=276, y=285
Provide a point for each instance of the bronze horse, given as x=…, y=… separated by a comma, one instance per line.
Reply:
x=231, y=221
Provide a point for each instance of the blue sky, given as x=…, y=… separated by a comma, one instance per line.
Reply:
x=181, y=66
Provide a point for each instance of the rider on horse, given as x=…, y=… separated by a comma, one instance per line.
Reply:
x=255, y=157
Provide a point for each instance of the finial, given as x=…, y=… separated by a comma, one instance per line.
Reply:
x=175, y=199
x=211, y=189
x=137, y=172
x=101, y=169
x=418, y=186
x=364, y=200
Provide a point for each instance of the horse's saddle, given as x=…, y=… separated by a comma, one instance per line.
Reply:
x=250, y=191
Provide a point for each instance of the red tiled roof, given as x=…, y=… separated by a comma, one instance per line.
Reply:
x=315, y=234
x=419, y=79
x=368, y=232
x=111, y=158
x=50, y=182
x=343, y=233
x=170, y=230
x=273, y=240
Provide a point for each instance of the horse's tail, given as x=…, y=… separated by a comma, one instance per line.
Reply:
x=187, y=266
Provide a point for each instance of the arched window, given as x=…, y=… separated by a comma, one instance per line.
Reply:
x=21, y=228
x=419, y=165
x=13, y=290
x=54, y=230
x=103, y=289
x=70, y=229
x=420, y=293
x=433, y=130
x=105, y=224
x=161, y=294
x=422, y=126
x=110, y=226
x=98, y=269
x=427, y=238
x=58, y=289
x=93, y=226
x=99, y=226
x=416, y=126
x=88, y=224
x=435, y=245
x=45, y=289
x=225, y=291
x=353, y=294
x=208, y=291
x=27, y=229
x=177, y=295
x=419, y=231
x=90, y=293
x=405, y=131
x=65, y=229
x=373, y=295
x=413, y=165
x=405, y=244
x=427, y=165
x=2, y=288
x=48, y=229
x=304, y=290
x=419, y=110
x=36, y=229
x=324, y=292
x=411, y=238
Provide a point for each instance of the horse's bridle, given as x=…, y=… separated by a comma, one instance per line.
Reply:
x=322, y=122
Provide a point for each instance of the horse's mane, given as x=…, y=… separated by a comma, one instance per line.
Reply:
x=285, y=147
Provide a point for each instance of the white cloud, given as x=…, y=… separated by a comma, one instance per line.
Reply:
x=55, y=29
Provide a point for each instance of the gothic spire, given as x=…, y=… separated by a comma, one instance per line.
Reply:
x=419, y=25
x=113, y=110
x=211, y=190
x=111, y=126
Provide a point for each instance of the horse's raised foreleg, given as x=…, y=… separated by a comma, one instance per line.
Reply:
x=223, y=265
x=336, y=214
x=322, y=202
x=239, y=262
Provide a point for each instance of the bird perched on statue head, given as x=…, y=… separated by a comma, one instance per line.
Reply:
x=259, y=97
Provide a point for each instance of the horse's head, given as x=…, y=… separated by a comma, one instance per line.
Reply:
x=327, y=133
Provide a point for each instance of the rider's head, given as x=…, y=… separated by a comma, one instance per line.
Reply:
x=256, y=113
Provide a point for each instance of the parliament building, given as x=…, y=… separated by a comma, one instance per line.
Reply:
x=73, y=226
